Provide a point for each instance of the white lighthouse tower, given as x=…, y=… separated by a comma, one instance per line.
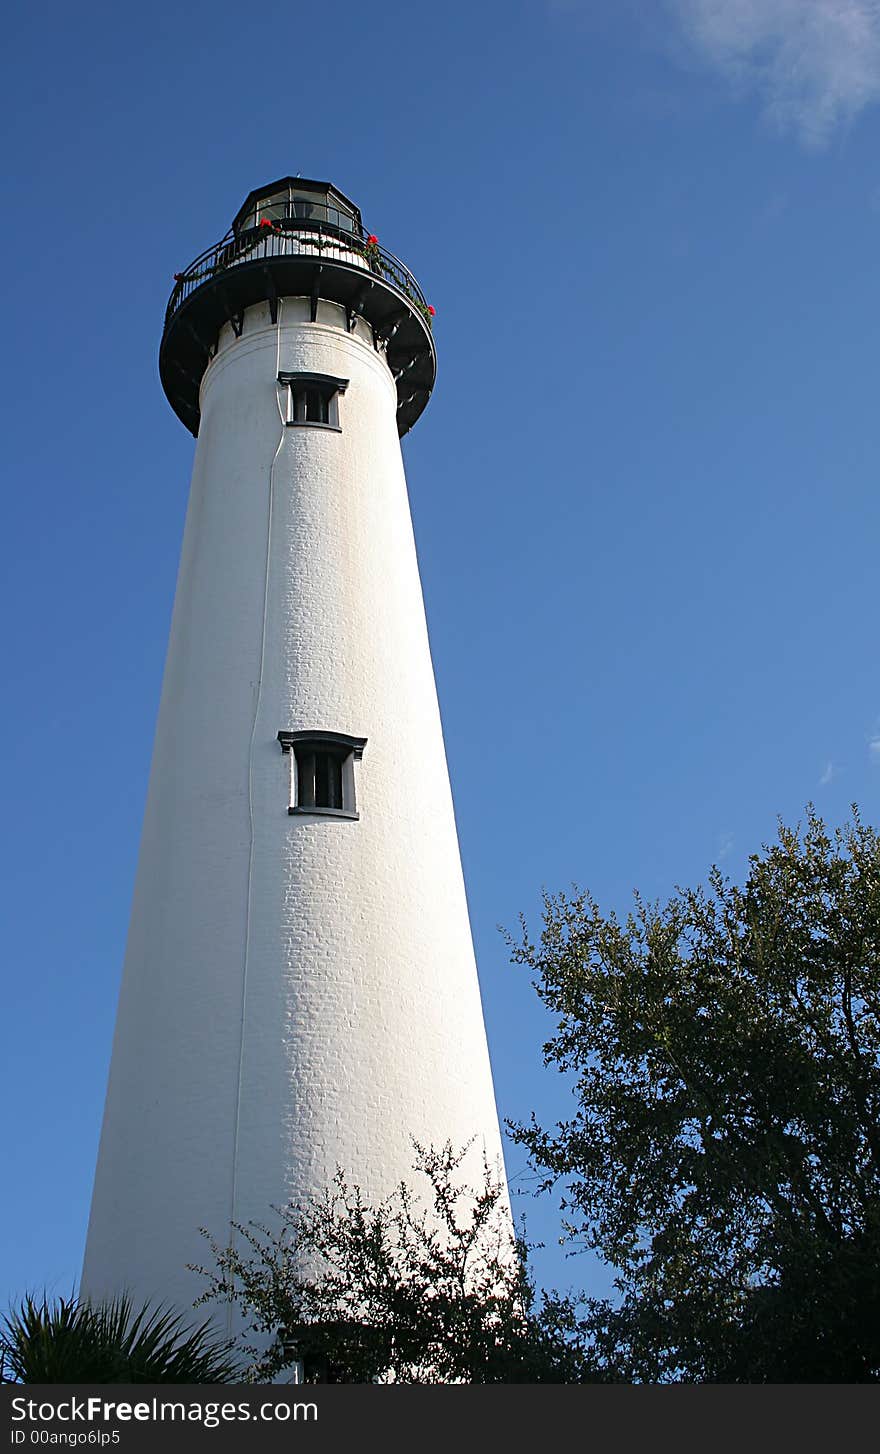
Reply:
x=299, y=990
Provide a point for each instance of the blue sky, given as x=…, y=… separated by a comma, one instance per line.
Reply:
x=645, y=492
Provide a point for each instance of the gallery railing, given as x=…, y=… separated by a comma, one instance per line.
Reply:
x=289, y=236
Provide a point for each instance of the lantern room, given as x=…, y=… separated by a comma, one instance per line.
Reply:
x=303, y=202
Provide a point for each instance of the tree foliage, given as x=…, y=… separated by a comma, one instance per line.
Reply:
x=73, y=1341
x=724, y=1151
x=427, y=1286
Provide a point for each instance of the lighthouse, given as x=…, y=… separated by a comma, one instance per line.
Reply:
x=299, y=991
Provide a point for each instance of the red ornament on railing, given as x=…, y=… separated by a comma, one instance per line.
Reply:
x=266, y=222
x=372, y=240
x=432, y=311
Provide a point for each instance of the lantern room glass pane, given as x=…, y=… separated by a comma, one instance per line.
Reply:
x=310, y=205
x=343, y=220
x=274, y=208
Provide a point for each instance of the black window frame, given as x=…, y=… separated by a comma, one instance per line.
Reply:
x=311, y=395
x=307, y=749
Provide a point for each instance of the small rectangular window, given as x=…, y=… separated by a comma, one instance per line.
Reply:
x=322, y=772
x=312, y=399
x=319, y=777
x=328, y=780
x=317, y=406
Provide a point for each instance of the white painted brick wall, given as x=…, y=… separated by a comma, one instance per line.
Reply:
x=308, y=999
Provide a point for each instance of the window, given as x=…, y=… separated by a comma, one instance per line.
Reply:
x=322, y=772
x=274, y=208
x=309, y=204
x=340, y=219
x=312, y=399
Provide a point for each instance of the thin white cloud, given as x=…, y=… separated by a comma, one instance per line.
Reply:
x=815, y=63
x=829, y=773
x=874, y=748
x=725, y=845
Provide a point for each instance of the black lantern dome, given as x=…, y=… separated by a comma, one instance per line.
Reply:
x=297, y=238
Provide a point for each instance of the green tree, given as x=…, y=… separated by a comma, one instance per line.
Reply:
x=73, y=1341
x=430, y=1288
x=724, y=1151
